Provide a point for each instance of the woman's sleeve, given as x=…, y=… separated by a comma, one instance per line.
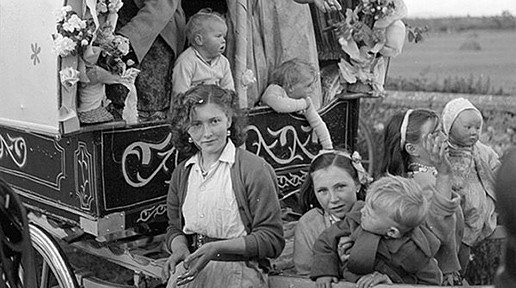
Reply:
x=303, y=244
x=266, y=237
x=275, y=97
x=173, y=208
x=145, y=27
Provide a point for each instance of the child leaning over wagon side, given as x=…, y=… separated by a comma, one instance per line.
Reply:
x=289, y=91
x=203, y=62
x=388, y=244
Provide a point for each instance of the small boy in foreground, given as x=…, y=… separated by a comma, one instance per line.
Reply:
x=389, y=245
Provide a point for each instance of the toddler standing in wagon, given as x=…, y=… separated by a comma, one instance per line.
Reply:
x=473, y=169
x=289, y=90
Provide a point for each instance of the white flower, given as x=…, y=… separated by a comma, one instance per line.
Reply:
x=248, y=78
x=122, y=44
x=69, y=77
x=74, y=23
x=123, y=48
x=130, y=74
x=115, y=5
x=63, y=45
x=61, y=13
x=84, y=42
x=102, y=7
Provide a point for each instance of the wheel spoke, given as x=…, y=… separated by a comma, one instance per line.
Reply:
x=45, y=275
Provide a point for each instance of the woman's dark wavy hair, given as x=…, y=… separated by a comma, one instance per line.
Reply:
x=183, y=106
x=395, y=159
x=307, y=198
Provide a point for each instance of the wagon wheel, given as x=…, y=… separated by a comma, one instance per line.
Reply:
x=331, y=86
x=53, y=270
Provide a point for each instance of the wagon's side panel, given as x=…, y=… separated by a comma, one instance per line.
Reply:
x=28, y=74
x=110, y=178
x=288, y=143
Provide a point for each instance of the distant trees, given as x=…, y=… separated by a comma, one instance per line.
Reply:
x=504, y=21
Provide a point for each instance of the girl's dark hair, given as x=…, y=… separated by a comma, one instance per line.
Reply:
x=307, y=198
x=395, y=158
x=183, y=106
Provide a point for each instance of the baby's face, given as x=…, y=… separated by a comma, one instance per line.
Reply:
x=303, y=88
x=214, y=38
x=465, y=131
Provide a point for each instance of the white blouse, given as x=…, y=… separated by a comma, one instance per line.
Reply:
x=210, y=206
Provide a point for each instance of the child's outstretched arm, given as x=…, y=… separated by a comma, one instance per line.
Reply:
x=276, y=98
x=318, y=125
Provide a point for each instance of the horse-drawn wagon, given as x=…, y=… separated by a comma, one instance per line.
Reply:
x=103, y=187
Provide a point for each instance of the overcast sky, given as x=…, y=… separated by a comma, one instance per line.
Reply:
x=438, y=8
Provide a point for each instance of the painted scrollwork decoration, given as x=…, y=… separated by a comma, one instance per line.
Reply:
x=143, y=153
x=15, y=148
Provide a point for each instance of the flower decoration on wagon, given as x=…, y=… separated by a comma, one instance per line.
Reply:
x=101, y=59
x=369, y=34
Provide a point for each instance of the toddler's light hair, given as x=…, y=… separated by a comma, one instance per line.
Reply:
x=290, y=72
x=403, y=199
x=199, y=22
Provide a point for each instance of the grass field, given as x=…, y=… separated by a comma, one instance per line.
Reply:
x=448, y=55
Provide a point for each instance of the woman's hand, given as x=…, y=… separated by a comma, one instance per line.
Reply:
x=196, y=261
x=325, y=281
x=170, y=266
x=373, y=279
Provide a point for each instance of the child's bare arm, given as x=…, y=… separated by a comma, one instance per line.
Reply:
x=276, y=98
x=319, y=126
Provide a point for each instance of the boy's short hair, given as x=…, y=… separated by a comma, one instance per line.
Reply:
x=403, y=199
x=199, y=21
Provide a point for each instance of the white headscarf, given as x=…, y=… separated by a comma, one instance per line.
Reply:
x=453, y=109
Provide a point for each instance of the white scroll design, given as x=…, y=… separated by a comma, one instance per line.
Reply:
x=84, y=178
x=147, y=214
x=15, y=148
x=281, y=138
x=144, y=152
x=291, y=180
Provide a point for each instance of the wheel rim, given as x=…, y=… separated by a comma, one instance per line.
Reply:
x=55, y=270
